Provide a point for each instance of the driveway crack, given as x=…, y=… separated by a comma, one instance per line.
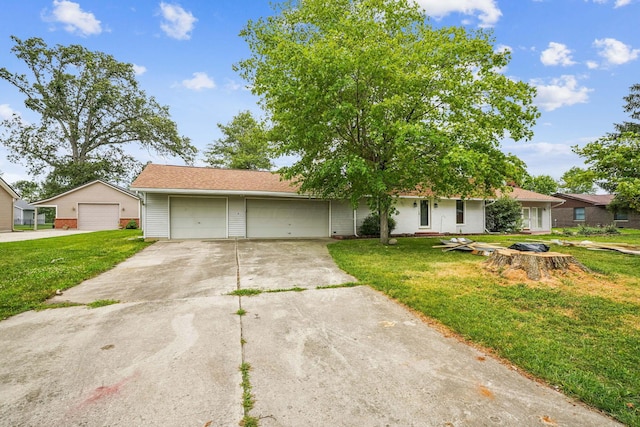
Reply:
x=248, y=398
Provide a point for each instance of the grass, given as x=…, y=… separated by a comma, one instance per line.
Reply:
x=33, y=270
x=580, y=333
x=102, y=303
x=248, y=399
x=46, y=226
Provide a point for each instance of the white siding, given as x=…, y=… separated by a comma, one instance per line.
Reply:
x=341, y=218
x=237, y=217
x=442, y=219
x=362, y=212
x=156, y=223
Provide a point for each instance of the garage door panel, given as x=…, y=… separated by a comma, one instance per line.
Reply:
x=287, y=218
x=98, y=216
x=198, y=218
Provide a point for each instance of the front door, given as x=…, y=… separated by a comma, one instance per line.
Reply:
x=424, y=213
x=526, y=218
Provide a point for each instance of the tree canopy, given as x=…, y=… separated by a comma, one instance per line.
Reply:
x=577, y=181
x=244, y=145
x=373, y=101
x=614, y=159
x=90, y=109
x=543, y=184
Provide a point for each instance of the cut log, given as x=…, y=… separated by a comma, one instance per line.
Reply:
x=536, y=265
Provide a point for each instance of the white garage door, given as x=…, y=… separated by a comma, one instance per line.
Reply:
x=198, y=218
x=287, y=218
x=98, y=216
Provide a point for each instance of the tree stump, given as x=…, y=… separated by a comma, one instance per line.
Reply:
x=536, y=265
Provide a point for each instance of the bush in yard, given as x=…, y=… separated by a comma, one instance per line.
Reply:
x=132, y=225
x=371, y=225
x=504, y=215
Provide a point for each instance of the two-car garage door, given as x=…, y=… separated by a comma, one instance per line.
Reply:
x=287, y=218
x=198, y=217
x=204, y=217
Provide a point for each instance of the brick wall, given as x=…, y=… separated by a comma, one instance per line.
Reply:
x=68, y=222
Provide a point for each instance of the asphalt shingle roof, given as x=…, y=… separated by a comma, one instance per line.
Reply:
x=168, y=177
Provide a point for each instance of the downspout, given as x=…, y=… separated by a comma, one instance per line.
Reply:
x=355, y=223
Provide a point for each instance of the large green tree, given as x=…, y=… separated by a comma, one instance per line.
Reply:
x=90, y=109
x=543, y=184
x=243, y=146
x=578, y=181
x=373, y=101
x=614, y=159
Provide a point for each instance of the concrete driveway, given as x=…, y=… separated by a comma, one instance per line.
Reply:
x=169, y=353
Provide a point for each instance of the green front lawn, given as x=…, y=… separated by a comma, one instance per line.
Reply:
x=580, y=333
x=46, y=226
x=33, y=270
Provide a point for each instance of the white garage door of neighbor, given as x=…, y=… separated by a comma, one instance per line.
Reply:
x=98, y=216
x=198, y=218
x=287, y=218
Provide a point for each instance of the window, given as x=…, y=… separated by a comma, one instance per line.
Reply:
x=620, y=216
x=578, y=214
x=424, y=213
x=459, y=212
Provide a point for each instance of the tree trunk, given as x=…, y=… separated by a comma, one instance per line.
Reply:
x=536, y=265
x=384, y=225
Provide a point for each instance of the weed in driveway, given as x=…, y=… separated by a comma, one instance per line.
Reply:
x=245, y=292
x=247, y=397
x=102, y=303
x=241, y=312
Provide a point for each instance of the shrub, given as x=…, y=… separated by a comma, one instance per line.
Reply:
x=371, y=225
x=504, y=215
x=132, y=225
x=584, y=230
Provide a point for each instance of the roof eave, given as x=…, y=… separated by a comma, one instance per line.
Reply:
x=206, y=192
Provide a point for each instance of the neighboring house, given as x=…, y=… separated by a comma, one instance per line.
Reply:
x=24, y=213
x=181, y=202
x=7, y=197
x=591, y=210
x=97, y=205
x=537, y=210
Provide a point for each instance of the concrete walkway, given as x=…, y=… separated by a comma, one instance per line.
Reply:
x=169, y=353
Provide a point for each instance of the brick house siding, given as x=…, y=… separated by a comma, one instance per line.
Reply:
x=596, y=213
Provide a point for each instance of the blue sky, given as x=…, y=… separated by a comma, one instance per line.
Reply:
x=582, y=55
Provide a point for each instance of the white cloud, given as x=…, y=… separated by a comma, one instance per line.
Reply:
x=560, y=92
x=178, y=23
x=487, y=10
x=6, y=112
x=592, y=65
x=547, y=148
x=232, y=85
x=618, y=3
x=199, y=81
x=75, y=20
x=615, y=52
x=556, y=54
x=139, y=69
